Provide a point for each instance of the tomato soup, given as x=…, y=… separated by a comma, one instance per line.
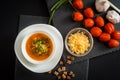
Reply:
x=39, y=46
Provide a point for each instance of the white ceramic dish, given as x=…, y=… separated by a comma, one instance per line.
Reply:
x=23, y=46
x=43, y=67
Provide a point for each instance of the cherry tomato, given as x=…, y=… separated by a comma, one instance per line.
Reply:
x=99, y=21
x=116, y=35
x=104, y=37
x=77, y=16
x=78, y=4
x=88, y=22
x=113, y=43
x=96, y=31
x=88, y=12
x=109, y=28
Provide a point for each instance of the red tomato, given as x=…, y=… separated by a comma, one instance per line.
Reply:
x=99, y=21
x=109, y=28
x=116, y=35
x=88, y=12
x=77, y=16
x=96, y=31
x=113, y=43
x=104, y=37
x=78, y=4
x=88, y=22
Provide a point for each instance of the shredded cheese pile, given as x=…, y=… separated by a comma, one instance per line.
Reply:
x=78, y=43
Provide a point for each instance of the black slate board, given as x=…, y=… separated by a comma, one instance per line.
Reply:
x=62, y=20
x=21, y=73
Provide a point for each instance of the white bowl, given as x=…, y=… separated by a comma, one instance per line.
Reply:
x=52, y=61
x=25, y=54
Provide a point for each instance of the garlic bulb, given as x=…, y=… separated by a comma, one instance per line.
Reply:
x=102, y=5
x=113, y=16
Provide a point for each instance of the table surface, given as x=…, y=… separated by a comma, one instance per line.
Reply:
x=103, y=67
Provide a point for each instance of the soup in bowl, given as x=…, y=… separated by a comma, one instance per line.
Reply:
x=38, y=47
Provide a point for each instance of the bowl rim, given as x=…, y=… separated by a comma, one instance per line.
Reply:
x=91, y=43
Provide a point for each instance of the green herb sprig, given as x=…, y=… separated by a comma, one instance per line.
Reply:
x=55, y=7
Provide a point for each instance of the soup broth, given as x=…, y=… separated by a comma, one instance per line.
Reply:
x=39, y=46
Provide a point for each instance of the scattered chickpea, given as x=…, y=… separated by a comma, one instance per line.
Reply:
x=61, y=62
x=56, y=73
x=69, y=62
x=72, y=58
x=63, y=76
x=63, y=68
x=70, y=73
x=50, y=71
x=73, y=75
x=68, y=56
x=68, y=77
x=65, y=72
x=59, y=70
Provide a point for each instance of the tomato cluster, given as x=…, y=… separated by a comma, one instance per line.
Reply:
x=104, y=31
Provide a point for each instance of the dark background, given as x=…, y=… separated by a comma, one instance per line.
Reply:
x=106, y=67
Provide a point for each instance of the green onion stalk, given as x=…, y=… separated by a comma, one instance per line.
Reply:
x=57, y=5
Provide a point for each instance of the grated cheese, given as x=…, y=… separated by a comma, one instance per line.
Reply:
x=78, y=43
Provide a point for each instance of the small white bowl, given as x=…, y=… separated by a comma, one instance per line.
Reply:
x=25, y=54
x=87, y=33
